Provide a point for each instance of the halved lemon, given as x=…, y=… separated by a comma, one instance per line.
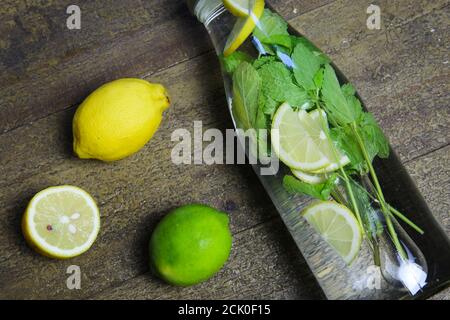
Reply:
x=293, y=143
x=239, y=8
x=61, y=222
x=243, y=28
x=338, y=227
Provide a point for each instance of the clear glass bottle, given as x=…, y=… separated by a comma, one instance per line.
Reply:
x=425, y=267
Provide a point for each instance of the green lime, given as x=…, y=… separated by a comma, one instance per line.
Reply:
x=190, y=244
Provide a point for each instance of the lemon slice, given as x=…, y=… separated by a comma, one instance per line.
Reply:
x=311, y=178
x=338, y=227
x=243, y=28
x=61, y=222
x=318, y=124
x=293, y=143
x=239, y=8
x=334, y=166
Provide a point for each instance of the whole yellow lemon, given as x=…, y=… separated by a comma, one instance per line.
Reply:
x=118, y=119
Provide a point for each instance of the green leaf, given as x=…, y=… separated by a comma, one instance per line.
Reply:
x=283, y=40
x=342, y=110
x=319, y=191
x=258, y=63
x=306, y=65
x=270, y=24
x=277, y=84
x=374, y=138
x=317, y=52
x=346, y=141
x=348, y=90
x=318, y=78
x=267, y=105
x=231, y=62
x=246, y=90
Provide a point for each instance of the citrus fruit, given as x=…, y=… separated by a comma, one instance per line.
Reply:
x=118, y=119
x=311, y=178
x=317, y=123
x=190, y=244
x=61, y=222
x=338, y=227
x=293, y=143
x=239, y=8
x=243, y=28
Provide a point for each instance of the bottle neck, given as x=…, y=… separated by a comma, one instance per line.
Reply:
x=206, y=10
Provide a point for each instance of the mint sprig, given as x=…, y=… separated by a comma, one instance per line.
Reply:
x=292, y=69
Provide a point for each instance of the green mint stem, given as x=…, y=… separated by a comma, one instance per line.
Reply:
x=405, y=219
x=383, y=204
x=396, y=213
x=372, y=242
x=346, y=179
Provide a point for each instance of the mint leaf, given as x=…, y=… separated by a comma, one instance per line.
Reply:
x=231, y=62
x=306, y=65
x=348, y=90
x=308, y=44
x=270, y=24
x=346, y=141
x=277, y=84
x=267, y=105
x=283, y=40
x=246, y=90
x=270, y=106
x=318, y=78
x=373, y=136
x=258, y=63
x=319, y=191
x=342, y=110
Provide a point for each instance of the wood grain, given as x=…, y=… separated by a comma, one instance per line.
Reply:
x=46, y=72
x=45, y=68
x=224, y=285
x=400, y=71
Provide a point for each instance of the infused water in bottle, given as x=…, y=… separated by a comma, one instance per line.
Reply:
x=397, y=249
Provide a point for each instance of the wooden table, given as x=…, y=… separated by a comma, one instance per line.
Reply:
x=401, y=71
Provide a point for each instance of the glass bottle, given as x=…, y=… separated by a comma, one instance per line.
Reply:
x=384, y=273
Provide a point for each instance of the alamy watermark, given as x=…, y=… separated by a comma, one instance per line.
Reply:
x=233, y=147
x=374, y=20
x=74, y=279
x=73, y=22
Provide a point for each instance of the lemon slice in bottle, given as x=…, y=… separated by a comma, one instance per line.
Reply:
x=61, y=222
x=319, y=122
x=338, y=227
x=311, y=178
x=315, y=122
x=292, y=142
x=243, y=27
x=239, y=8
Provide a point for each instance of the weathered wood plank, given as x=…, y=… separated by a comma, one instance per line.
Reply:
x=432, y=176
x=224, y=285
x=72, y=78
x=400, y=71
x=264, y=264
x=400, y=106
x=45, y=68
x=129, y=190
x=35, y=36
